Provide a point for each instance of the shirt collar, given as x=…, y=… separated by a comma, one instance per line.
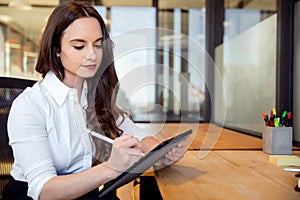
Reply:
x=57, y=89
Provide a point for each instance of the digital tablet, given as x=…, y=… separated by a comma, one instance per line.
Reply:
x=144, y=163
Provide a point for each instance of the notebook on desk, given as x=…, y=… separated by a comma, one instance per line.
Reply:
x=144, y=163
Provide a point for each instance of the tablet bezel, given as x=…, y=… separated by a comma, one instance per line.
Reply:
x=144, y=163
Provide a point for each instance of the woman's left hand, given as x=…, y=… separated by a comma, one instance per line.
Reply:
x=175, y=154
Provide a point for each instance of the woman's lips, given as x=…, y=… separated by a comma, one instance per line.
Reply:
x=89, y=66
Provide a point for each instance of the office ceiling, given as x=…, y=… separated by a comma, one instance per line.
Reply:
x=262, y=4
x=32, y=2
x=31, y=18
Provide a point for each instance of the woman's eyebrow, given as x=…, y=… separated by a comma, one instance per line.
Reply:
x=99, y=39
x=81, y=40
x=77, y=40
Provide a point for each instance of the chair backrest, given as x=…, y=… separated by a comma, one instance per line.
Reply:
x=10, y=88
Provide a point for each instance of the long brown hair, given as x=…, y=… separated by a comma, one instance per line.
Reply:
x=102, y=111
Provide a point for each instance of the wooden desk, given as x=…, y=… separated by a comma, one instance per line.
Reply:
x=226, y=175
x=234, y=168
x=223, y=138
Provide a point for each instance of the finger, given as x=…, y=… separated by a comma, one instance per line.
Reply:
x=174, y=157
x=178, y=149
x=124, y=137
x=167, y=162
x=183, y=144
x=175, y=154
x=135, y=152
x=131, y=143
x=131, y=146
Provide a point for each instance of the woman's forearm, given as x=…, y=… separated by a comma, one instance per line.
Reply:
x=75, y=185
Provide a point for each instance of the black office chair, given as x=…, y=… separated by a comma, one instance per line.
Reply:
x=10, y=88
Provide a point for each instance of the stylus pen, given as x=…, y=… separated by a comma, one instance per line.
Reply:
x=107, y=139
x=287, y=169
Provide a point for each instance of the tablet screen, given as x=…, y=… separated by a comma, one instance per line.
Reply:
x=144, y=163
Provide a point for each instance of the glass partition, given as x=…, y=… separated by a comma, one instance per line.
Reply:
x=134, y=45
x=175, y=84
x=21, y=29
x=296, y=84
x=247, y=63
x=152, y=56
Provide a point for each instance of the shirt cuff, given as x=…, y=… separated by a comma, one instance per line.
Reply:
x=35, y=189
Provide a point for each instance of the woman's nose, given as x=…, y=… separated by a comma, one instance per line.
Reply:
x=91, y=55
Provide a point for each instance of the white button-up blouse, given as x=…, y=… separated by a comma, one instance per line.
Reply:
x=44, y=132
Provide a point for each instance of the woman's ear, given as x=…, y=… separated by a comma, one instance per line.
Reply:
x=57, y=52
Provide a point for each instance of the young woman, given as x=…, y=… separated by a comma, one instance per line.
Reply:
x=48, y=123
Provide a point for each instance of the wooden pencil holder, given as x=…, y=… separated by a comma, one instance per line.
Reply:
x=278, y=140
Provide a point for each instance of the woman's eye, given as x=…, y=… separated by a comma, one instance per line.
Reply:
x=99, y=46
x=78, y=47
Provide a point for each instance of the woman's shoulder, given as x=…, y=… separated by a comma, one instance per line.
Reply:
x=30, y=93
x=30, y=98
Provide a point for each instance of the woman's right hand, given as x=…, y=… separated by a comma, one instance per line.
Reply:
x=126, y=150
